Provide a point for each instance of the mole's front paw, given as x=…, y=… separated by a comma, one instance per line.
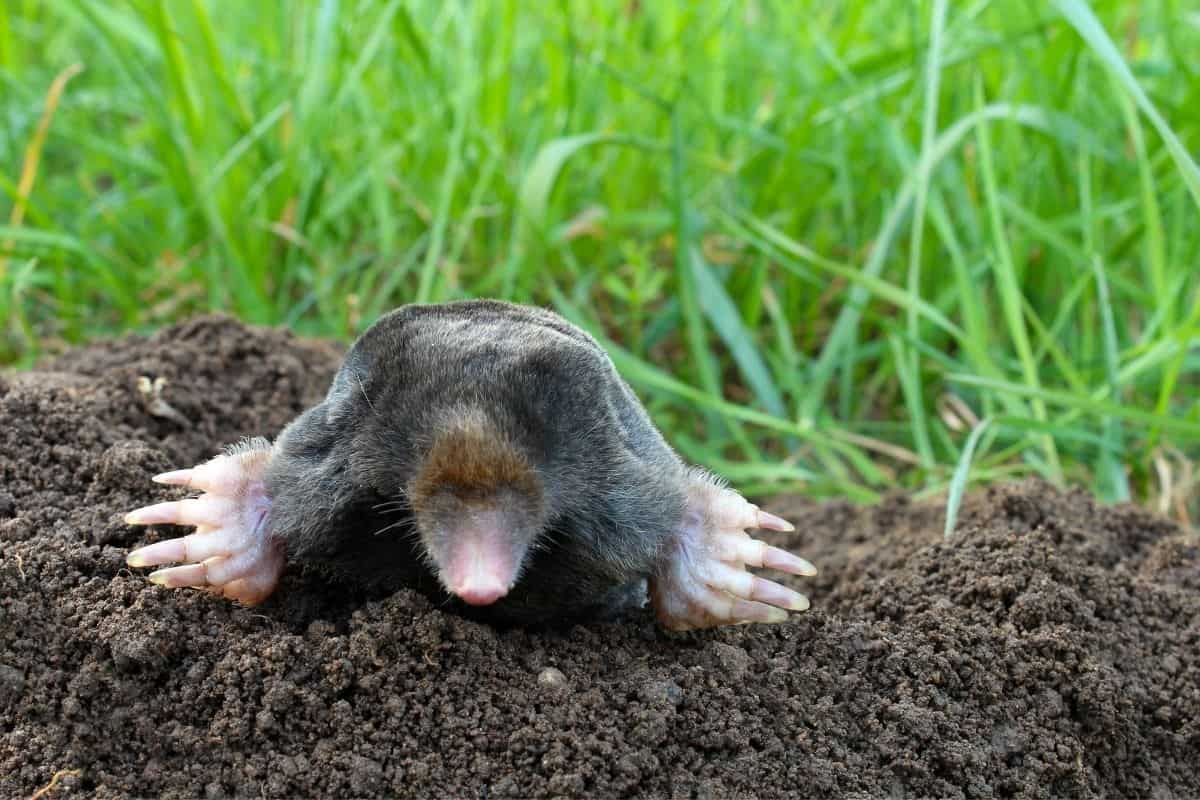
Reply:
x=702, y=580
x=232, y=551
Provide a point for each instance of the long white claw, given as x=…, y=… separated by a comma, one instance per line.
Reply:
x=224, y=475
x=748, y=611
x=193, y=511
x=170, y=551
x=771, y=522
x=715, y=607
x=731, y=510
x=179, y=477
x=194, y=547
x=740, y=583
x=740, y=548
x=782, y=560
x=177, y=577
x=775, y=594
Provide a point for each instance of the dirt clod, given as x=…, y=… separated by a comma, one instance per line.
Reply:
x=552, y=678
x=1051, y=648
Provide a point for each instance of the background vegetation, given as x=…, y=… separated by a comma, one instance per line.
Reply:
x=838, y=247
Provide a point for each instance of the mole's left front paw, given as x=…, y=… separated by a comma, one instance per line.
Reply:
x=232, y=551
x=702, y=580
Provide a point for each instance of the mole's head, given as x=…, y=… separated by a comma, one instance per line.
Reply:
x=478, y=504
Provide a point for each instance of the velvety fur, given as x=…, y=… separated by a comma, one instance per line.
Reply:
x=480, y=402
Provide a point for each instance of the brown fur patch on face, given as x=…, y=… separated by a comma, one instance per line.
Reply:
x=474, y=463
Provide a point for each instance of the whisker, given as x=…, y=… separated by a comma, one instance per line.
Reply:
x=363, y=389
x=544, y=541
x=396, y=524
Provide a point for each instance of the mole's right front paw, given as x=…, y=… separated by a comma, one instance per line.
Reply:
x=232, y=551
x=702, y=580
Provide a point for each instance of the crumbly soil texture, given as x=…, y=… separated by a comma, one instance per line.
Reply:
x=1050, y=648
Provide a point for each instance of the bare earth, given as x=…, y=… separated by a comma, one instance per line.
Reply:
x=1052, y=649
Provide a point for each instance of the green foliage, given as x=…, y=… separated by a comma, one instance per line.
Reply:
x=823, y=240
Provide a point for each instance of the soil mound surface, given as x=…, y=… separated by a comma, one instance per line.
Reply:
x=1050, y=649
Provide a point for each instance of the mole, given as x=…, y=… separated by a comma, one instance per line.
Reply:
x=488, y=454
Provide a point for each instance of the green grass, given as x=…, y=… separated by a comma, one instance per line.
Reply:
x=823, y=241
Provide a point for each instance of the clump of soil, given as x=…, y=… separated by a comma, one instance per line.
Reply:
x=1049, y=649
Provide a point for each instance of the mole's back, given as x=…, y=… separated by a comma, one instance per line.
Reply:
x=541, y=380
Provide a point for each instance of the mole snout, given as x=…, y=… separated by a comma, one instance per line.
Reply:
x=479, y=555
x=478, y=503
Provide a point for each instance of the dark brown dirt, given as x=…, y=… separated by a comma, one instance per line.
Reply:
x=1049, y=650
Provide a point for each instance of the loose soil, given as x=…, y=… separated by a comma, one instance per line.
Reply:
x=1050, y=649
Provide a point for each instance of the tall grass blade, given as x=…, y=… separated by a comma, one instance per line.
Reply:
x=962, y=472
x=1083, y=19
x=727, y=322
x=1114, y=483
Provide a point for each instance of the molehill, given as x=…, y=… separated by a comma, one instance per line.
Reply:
x=1049, y=649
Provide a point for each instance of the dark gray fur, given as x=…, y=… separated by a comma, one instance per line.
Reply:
x=614, y=490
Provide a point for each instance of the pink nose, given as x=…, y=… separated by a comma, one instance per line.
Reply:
x=479, y=563
x=481, y=593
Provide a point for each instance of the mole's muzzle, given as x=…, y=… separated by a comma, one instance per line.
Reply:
x=480, y=560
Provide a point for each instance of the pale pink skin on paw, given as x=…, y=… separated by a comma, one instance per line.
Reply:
x=231, y=552
x=702, y=580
